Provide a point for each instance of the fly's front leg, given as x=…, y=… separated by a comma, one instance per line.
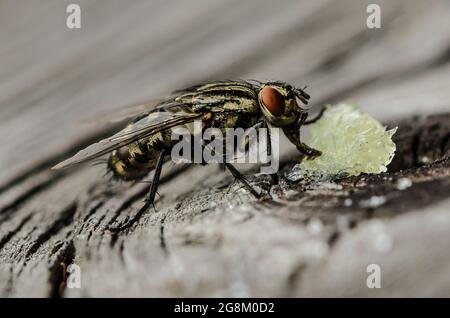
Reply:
x=293, y=134
x=313, y=120
x=309, y=152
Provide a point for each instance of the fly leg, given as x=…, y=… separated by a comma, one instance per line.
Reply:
x=313, y=120
x=150, y=198
x=241, y=178
x=264, y=124
x=236, y=174
x=309, y=152
x=273, y=176
x=293, y=134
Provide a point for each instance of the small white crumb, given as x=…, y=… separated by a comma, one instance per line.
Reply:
x=404, y=183
x=330, y=186
x=383, y=243
x=381, y=240
x=315, y=226
x=373, y=202
x=290, y=193
x=348, y=202
x=296, y=174
x=212, y=204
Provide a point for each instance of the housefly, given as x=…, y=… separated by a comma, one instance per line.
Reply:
x=143, y=145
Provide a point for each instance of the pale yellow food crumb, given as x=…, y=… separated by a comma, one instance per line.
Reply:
x=351, y=143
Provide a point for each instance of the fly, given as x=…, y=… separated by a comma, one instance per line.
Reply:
x=145, y=143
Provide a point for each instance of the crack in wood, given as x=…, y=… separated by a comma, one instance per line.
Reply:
x=57, y=276
x=5, y=239
x=162, y=239
x=25, y=196
x=64, y=220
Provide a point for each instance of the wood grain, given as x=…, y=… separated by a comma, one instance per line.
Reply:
x=208, y=236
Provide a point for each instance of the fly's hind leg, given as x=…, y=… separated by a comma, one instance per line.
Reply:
x=241, y=178
x=150, y=198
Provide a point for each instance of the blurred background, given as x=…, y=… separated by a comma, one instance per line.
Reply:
x=127, y=51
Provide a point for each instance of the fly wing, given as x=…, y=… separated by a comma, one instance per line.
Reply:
x=184, y=96
x=149, y=125
x=127, y=112
x=181, y=107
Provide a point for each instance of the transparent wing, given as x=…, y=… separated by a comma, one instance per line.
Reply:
x=151, y=124
x=127, y=112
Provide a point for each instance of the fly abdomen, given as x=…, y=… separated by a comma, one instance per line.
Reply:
x=133, y=161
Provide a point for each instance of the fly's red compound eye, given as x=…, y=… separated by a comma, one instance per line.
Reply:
x=273, y=101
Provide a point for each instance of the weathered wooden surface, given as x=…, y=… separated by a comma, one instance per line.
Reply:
x=209, y=237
